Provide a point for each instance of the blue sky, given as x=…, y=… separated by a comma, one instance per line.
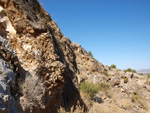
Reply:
x=116, y=31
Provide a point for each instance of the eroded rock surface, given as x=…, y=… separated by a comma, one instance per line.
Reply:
x=36, y=59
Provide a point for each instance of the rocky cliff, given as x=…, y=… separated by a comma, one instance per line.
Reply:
x=37, y=62
x=41, y=69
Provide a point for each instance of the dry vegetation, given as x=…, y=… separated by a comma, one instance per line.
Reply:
x=92, y=89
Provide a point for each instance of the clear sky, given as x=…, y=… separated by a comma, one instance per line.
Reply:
x=116, y=31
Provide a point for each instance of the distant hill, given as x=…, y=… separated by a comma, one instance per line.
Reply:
x=144, y=71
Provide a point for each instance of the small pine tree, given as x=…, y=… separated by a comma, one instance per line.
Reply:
x=90, y=53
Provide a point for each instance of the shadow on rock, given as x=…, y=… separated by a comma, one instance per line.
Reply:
x=71, y=97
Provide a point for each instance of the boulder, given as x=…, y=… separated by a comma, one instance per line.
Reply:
x=115, y=80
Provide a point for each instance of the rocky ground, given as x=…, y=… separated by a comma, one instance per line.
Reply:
x=128, y=92
x=41, y=70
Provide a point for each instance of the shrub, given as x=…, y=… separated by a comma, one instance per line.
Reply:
x=133, y=71
x=130, y=70
x=125, y=80
x=104, y=86
x=113, y=66
x=105, y=73
x=148, y=76
x=89, y=88
x=90, y=54
x=141, y=74
x=134, y=97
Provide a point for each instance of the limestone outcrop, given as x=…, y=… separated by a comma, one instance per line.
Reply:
x=37, y=61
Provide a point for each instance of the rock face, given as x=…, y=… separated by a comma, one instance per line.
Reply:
x=41, y=69
x=7, y=82
x=37, y=61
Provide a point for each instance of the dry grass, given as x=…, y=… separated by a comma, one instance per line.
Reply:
x=86, y=98
x=126, y=103
x=109, y=93
x=143, y=103
x=106, y=108
x=140, y=101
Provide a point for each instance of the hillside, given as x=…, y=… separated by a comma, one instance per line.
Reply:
x=42, y=71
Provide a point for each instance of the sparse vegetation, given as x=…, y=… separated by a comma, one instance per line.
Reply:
x=91, y=54
x=134, y=97
x=104, y=86
x=125, y=80
x=141, y=74
x=113, y=66
x=105, y=73
x=148, y=76
x=91, y=89
x=139, y=100
x=130, y=70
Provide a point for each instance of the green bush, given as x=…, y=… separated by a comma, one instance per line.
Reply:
x=113, y=66
x=130, y=70
x=92, y=89
x=125, y=80
x=90, y=54
x=89, y=88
